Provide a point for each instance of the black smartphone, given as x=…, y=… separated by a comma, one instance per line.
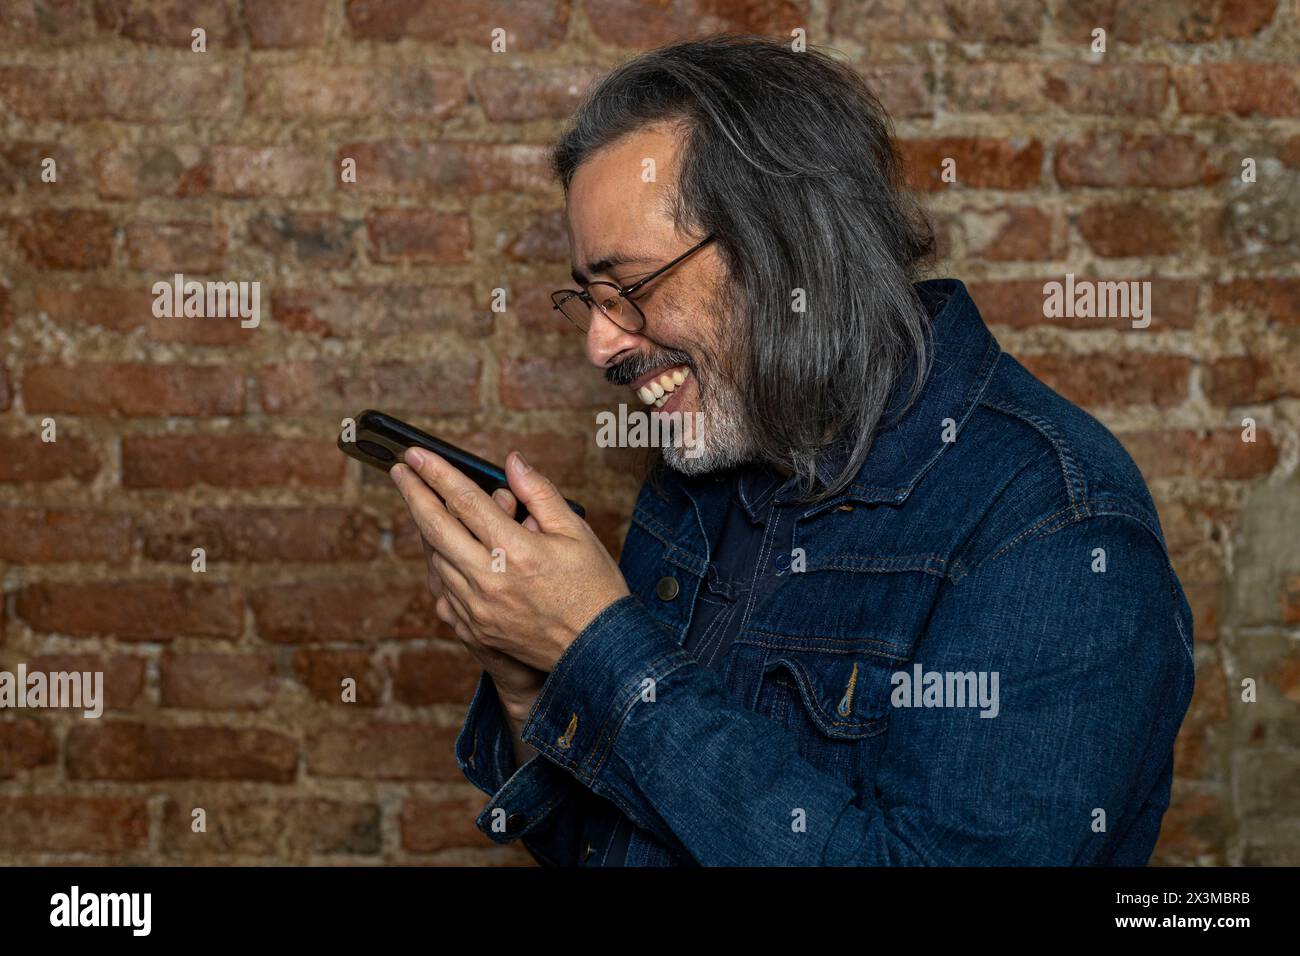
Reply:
x=382, y=439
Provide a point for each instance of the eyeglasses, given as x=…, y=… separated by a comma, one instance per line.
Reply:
x=613, y=300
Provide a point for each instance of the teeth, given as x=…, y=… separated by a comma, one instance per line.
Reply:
x=656, y=391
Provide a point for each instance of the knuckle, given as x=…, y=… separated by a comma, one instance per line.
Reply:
x=464, y=503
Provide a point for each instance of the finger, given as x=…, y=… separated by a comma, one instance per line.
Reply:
x=442, y=530
x=539, y=495
x=465, y=501
x=505, y=500
x=531, y=524
x=454, y=582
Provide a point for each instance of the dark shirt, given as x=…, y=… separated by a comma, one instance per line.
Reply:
x=748, y=559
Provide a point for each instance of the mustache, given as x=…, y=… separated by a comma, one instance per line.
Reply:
x=630, y=369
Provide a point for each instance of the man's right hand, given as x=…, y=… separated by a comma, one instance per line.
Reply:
x=517, y=684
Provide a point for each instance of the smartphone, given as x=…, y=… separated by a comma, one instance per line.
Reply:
x=382, y=439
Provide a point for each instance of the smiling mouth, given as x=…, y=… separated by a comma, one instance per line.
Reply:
x=656, y=388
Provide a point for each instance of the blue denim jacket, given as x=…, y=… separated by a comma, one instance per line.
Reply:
x=994, y=529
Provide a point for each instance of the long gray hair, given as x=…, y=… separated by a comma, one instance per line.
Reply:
x=788, y=159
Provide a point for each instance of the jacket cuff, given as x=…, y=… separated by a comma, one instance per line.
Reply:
x=612, y=667
x=521, y=798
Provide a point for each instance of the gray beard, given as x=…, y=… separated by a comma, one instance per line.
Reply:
x=723, y=440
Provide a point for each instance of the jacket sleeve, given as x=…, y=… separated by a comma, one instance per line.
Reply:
x=1095, y=672
x=538, y=802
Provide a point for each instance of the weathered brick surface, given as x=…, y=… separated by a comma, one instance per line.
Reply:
x=422, y=288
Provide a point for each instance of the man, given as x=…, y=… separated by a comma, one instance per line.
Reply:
x=902, y=605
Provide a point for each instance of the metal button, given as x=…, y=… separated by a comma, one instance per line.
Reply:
x=667, y=588
x=516, y=822
x=844, y=508
x=587, y=851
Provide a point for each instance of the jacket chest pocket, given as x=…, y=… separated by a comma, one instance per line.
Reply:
x=835, y=703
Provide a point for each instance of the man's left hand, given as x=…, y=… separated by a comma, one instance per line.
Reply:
x=552, y=577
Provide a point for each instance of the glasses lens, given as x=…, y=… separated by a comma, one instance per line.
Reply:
x=621, y=312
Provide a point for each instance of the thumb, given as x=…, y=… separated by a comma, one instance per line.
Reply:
x=543, y=501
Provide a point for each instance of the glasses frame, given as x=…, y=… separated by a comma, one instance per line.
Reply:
x=623, y=292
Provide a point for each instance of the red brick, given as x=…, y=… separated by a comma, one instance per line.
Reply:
x=24, y=745
x=1131, y=159
x=904, y=89
x=123, y=674
x=152, y=169
x=1106, y=380
x=6, y=393
x=286, y=24
x=64, y=238
x=429, y=826
x=336, y=91
x=568, y=382
x=418, y=236
x=1216, y=454
x=322, y=672
x=39, y=535
x=53, y=23
x=1259, y=298
x=126, y=751
x=50, y=823
x=639, y=24
x=435, y=675
x=176, y=246
x=442, y=387
x=533, y=25
x=125, y=310
x=1291, y=599
x=998, y=21
x=229, y=461
x=169, y=23
x=345, y=611
x=1126, y=89
x=1011, y=233
x=134, y=389
x=156, y=611
x=218, y=681
x=530, y=303
x=372, y=312
x=395, y=167
x=1208, y=708
x=26, y=458
x=247, y=171
x=1252, y=379
x=1117, y=230
x=510, y=94
x=21, y=168
x=1019, y=303
x=981, y=163
x=120, y=92
x=261, y=534
x=1243, y=89
x=1187, y=21
x=542, y=238
x=273, y=828
x=317, y=240
x=384, y=752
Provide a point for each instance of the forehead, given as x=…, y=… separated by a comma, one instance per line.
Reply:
x=617, y=199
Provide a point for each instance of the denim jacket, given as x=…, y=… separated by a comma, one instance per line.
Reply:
x=996, y=539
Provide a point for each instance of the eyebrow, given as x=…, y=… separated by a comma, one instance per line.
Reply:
x=606, y=263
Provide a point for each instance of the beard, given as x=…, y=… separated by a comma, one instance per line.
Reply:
x=724, y=438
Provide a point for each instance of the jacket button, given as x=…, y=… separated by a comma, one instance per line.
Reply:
x=516, y=822
x=667, y=588
x=586, y=851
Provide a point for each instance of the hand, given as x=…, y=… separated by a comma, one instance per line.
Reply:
x=553, y=575
x=517, y=684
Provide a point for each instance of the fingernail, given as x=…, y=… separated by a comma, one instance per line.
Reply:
x=522, y=464
x=395, y=475
x=414, y=457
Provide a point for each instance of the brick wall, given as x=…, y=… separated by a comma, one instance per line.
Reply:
x=175, y=433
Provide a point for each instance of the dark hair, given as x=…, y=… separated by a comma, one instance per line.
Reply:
x=788, y=159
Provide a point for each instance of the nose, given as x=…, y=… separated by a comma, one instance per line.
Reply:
x=605, y=339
